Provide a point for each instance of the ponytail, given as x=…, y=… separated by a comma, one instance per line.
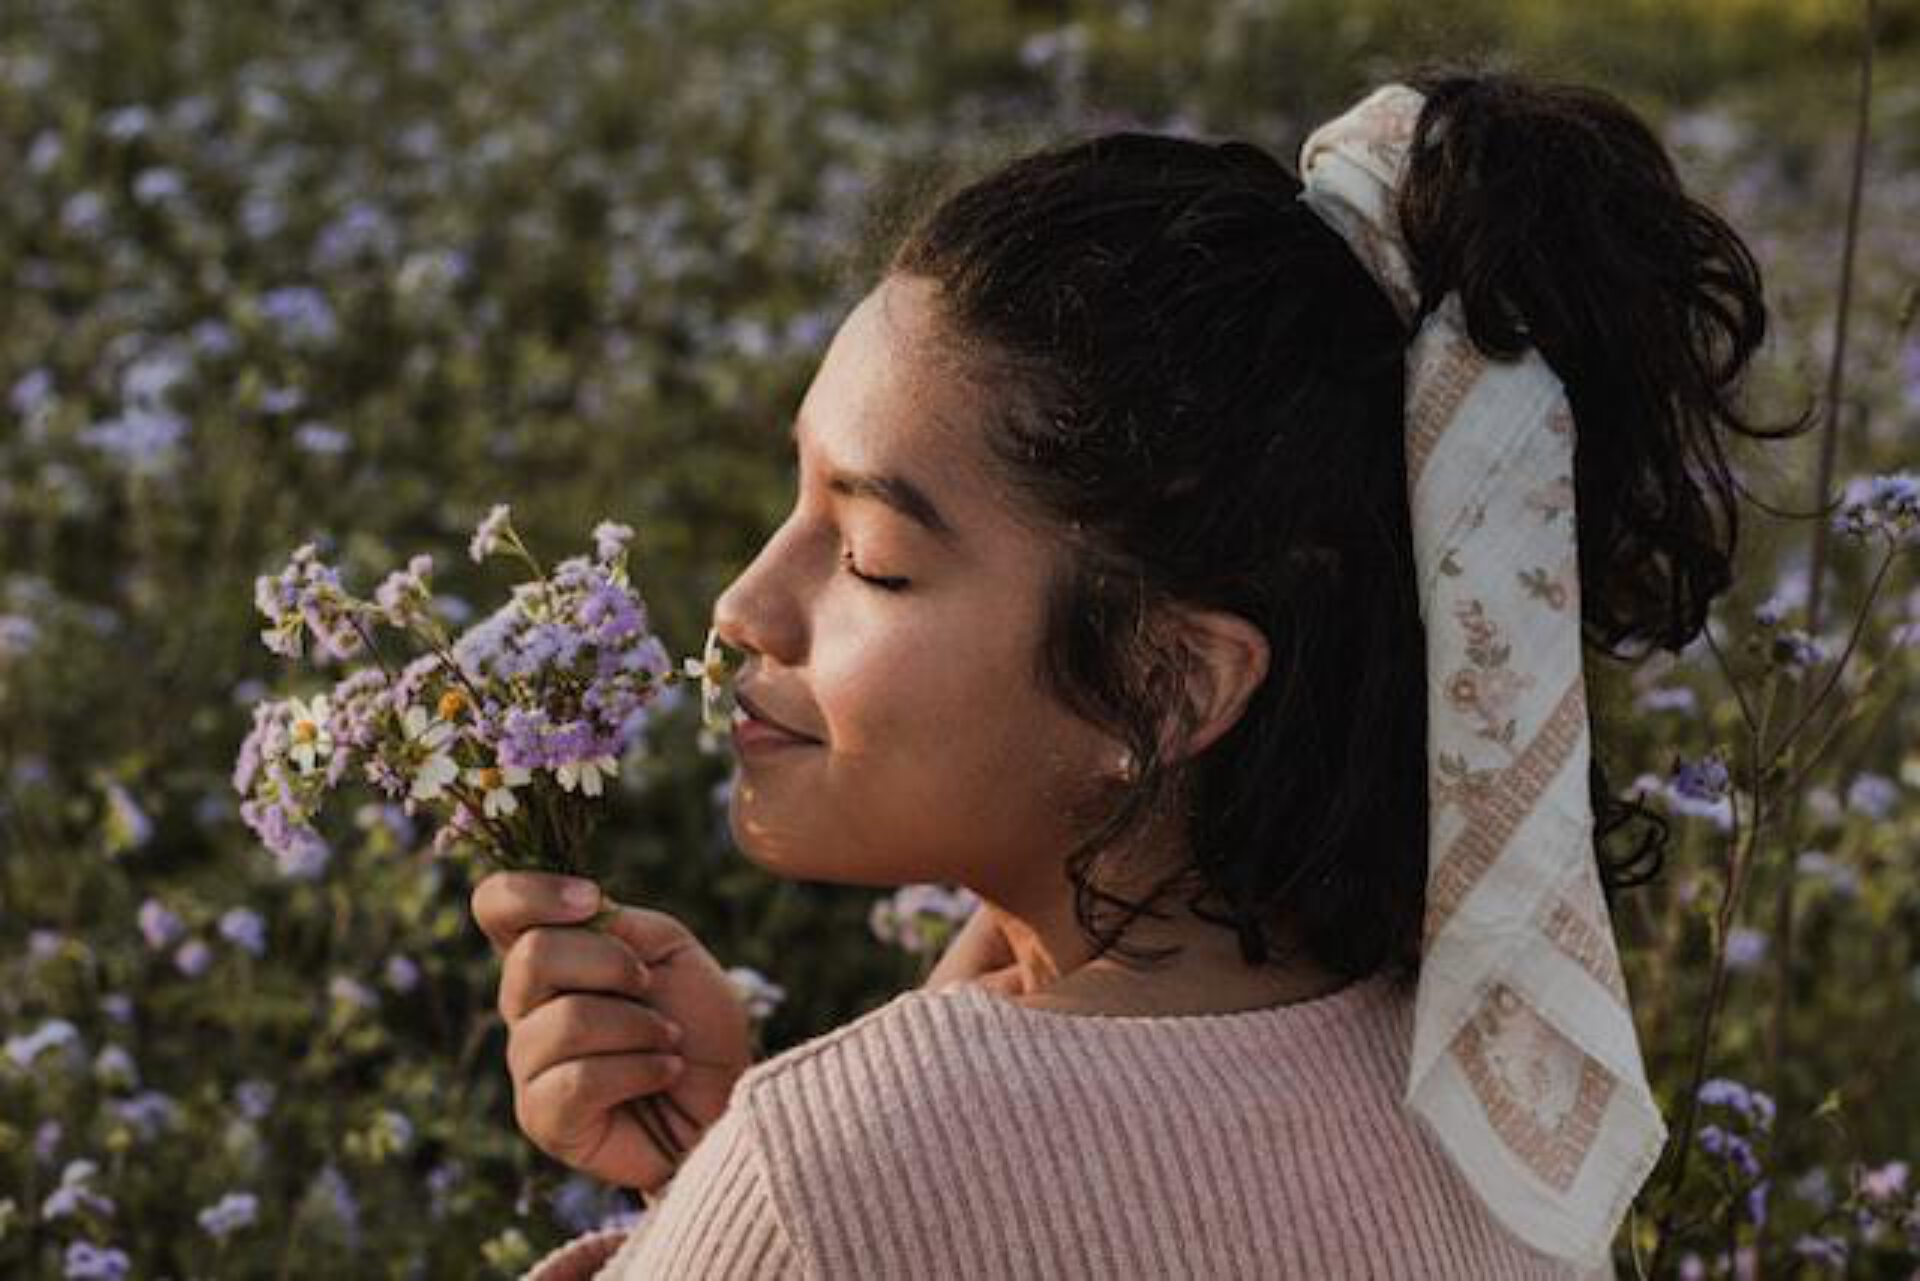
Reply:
x=1559, y=218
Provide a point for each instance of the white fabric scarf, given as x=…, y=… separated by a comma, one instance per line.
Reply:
x=1525, y=1066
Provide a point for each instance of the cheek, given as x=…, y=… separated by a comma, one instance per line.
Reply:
x=943, y=760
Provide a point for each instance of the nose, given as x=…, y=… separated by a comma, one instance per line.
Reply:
x=758, y=614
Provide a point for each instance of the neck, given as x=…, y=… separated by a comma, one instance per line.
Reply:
x=1054, y=967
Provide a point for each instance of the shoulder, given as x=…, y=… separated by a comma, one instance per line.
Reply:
x=890, y=1047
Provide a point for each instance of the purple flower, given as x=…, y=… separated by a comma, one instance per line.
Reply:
x=349, y=991
x=320, y=440
x=243, y=927
x=301, y=852
x=76, y=1193
x=1754, y=1106
x=305, y=858
x=1705, y=780
x=581, y=1204
x=492, y=534
x=1873, y=795
x=441, y=1182
x=759, y=994
x=611, y=615
x=149, y=1112
x=229, y=1214
x=306, y=596
x=331, y=1189
x=301, y=313
x=145, y=441
x=610, y=540
x=115, y=1068
x=1677, y=699
x=406, y=595
x=1822, y=866
x=394, y=1129
x=46, y=1140
x=54, y=1034
x=192, y=958
x=1757, y=1201
x=1885, y=1183
x=1746, y=948
x=1715, y=1141
x=128, y=827
x=86, y=1261
x=254, y=1098
x=31, y=393
x=401, y=973
x=1795, y=651
x=18, y=635
x=1889, y=504
x=1822, y=1249
x=919, y=918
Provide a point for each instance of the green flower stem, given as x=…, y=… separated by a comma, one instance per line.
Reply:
x=1777, y=1040
x=1833, y=678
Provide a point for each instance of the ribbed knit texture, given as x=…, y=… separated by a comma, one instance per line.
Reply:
x=956, y=1134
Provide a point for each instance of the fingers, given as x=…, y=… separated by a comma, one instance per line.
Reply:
x=507, y=904
x=579, y=1112
x=546, y=961
x=582, y=1025
x=654, y=936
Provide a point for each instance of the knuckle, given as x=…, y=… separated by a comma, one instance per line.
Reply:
x=537, y=946
x=568, y=1087
x=574, y=1021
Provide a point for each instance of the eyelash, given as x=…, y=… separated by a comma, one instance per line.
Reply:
x=878, y=584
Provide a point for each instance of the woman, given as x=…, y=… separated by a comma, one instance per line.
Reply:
x=1098, y=598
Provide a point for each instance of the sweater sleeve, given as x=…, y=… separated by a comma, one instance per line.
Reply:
x=719, y=1220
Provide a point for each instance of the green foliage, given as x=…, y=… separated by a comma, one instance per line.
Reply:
x=284, y=272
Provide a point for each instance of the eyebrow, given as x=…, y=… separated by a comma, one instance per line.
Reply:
x=897, y=492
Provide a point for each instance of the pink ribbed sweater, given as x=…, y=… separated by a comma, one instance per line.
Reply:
x=953, y=1133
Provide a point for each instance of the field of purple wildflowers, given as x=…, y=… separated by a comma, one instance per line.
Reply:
x=290, y=273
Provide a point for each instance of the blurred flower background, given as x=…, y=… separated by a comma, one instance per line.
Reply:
x=351, y=274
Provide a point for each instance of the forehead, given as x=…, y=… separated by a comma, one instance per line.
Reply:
x=889, y=399
x=885, y=370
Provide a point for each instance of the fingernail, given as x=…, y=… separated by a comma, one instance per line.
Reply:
x=674, y=1034
x=580, y=894
x=675, y=1066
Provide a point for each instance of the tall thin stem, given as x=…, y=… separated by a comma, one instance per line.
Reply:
x=1779, y=1039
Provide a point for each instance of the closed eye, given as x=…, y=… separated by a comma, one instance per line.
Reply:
x=874, y=581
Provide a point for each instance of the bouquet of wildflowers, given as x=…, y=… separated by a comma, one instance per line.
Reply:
x=506, y=734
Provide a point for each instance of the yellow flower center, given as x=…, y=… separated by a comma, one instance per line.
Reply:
x=491, y=779
x=452, y=703
x=306, y=731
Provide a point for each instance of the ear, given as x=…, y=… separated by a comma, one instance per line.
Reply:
x=1227, y=659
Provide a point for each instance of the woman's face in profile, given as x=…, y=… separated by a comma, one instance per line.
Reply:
x=939, y=758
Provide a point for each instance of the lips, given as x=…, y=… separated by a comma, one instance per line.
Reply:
x=754, y=710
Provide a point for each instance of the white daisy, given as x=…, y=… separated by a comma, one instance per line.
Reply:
x=496, y=786
x=436, y=768
x=586, y=774
x=307, y=732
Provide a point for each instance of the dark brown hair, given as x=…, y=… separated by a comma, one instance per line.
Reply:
x=1201, y=387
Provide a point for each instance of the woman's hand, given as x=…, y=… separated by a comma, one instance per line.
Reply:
x=588, y=1015
x=979, y=953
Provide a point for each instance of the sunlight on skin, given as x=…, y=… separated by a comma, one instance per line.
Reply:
x=939, y=759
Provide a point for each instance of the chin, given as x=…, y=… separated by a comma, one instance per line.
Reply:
x=793, y=856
